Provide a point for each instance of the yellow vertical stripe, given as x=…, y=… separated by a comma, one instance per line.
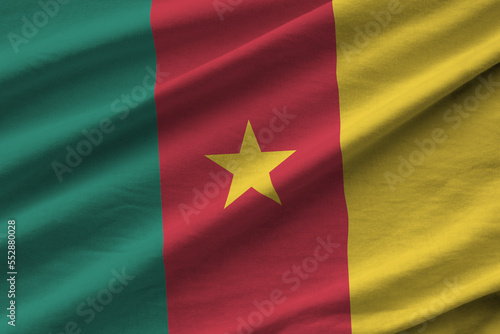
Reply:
x=419, y=89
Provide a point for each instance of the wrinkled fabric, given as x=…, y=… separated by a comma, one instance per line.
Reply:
x=420, y=109
x=384, y=219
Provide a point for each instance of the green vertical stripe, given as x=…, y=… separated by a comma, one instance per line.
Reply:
x=74, y=237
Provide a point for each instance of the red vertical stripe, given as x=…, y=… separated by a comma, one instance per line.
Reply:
x=256, y=266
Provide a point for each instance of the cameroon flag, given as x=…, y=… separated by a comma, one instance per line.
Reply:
x=250, y=167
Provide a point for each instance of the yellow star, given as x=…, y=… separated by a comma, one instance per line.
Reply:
x=251, y=167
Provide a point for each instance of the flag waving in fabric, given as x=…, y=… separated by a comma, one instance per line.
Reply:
x=250, y=167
